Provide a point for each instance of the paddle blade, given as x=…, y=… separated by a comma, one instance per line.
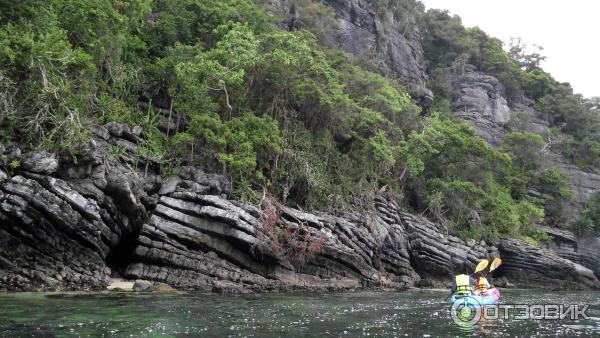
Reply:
x=482, y=265
x=495, y=264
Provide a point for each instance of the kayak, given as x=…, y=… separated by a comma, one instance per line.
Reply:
x=490, y=297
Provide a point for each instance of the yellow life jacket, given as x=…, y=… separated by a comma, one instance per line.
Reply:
x=463, y=285
x=482, y=284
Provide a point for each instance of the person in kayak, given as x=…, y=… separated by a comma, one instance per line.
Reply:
x=481, y=284
x=462, y=285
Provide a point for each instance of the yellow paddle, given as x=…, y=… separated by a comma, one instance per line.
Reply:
x=482, y=265
x=495, y=264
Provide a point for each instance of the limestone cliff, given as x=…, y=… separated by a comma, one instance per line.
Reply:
x=391, y=42
x=479, y=100
x=67, y=226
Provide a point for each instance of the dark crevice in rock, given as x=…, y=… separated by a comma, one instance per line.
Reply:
x=120, y=256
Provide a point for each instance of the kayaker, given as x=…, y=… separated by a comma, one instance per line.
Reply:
x=462, y=285
x=481, y=283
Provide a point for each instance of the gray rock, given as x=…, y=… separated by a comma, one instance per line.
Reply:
x=480, y=102
x=64, y=234
x=352, y=253
x=392, y=41
x=121, y=189
x=100, y=131
x=3, y=175
x=152, y=183
x=40, y=162
x=194, y=187
x=80, y=171
x=2, y=149
x=169, y=185
x=125, y=144
x=137, y=130
x=529, y=266
x=215, y=184
x=162, y=287
x=474, y=219
x=584, y=185
x=141, y=285
x=584, y=250
x=45, y=233
x=15, y=153
x=117, y=129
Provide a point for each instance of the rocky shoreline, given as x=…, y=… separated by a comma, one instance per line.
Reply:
x=71, y=226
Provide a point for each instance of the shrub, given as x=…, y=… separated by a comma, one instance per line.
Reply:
x=295, y=241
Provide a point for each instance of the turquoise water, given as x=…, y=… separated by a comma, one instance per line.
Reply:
x=417, y=313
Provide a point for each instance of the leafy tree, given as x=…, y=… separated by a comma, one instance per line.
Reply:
x=458, y=171
x=568, y=111
x=213, y=74
x=526, y=149
x=529, y=62
x=243, y=145
x=538, y=84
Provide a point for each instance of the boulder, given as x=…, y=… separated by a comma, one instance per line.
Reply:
x=119, y=285
x=40, y=162
x=141, y=285
x=161, y=287
x=100, y=132
x=137, y=130
x=117, y=129
x=169, y=185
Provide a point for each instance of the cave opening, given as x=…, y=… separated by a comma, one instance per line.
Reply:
x=121, y=255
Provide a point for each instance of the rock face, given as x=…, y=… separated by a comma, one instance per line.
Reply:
x=395, y=41
x=206, y=242
x=91, y=220
x=59, y=233
x=584, y=185
x=585, y=251
x=480, y=102
x=532, y=267
x=40, y=162
x=392, y=41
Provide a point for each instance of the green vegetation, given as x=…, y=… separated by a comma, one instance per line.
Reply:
x=281, y=112
x=448, y=44
x=590, y=220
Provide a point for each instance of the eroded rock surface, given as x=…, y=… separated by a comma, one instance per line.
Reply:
x=528, y=266
x=391, y=40
x=480, y=102
x=87, y=221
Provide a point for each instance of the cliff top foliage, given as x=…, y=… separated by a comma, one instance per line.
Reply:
x=277, y=110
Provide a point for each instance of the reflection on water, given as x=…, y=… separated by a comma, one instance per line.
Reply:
x=402, y=314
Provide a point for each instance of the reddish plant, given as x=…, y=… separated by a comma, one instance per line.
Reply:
x=298, y=243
